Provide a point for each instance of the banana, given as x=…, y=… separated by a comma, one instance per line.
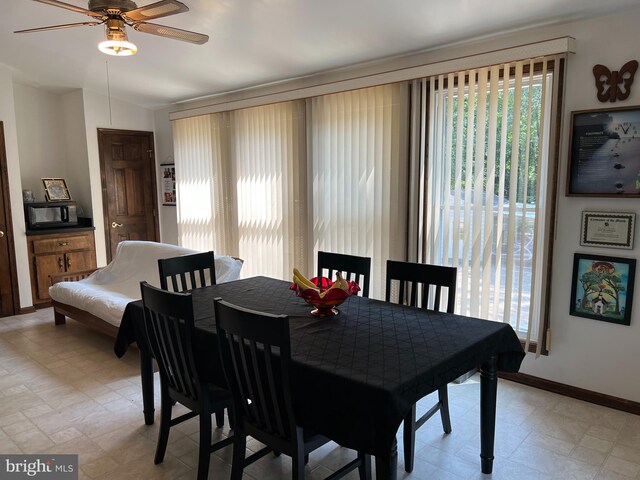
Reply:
x=340, y=283
x=304, y=281
x=300, y=284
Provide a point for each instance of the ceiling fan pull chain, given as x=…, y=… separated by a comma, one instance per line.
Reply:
x=109, y=93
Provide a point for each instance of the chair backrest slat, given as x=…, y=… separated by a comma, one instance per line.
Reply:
x=262, y=399
x=428, y=280
x=256, y=354
x=234, y=344
x=187, y=271
x=352, y=267
x=273, y=392
x=249, y=375
x=168, y=320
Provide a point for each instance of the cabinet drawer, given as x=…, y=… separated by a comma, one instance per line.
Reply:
x=64, y=244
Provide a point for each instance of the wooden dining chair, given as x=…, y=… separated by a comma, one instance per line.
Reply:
x=352, y=267
x=187, y=271
x=422, y=285
x=168, y=320
x=256, y=357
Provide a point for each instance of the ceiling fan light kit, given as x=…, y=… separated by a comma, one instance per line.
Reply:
x=116, y=42
x=116, y=15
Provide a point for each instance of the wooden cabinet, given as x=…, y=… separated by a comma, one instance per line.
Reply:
x=58, y=253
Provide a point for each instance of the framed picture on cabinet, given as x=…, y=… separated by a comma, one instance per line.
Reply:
x=55, y=189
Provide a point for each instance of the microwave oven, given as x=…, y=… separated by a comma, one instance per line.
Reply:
x=50, y=215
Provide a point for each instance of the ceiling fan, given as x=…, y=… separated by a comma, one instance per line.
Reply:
x=116, y=14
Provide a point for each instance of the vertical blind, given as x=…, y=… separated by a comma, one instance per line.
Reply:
x=268, y=151
x=487, y=200
x=195, y=180
x=451, y=170
x=275, y=184
x=240, y=181
x=358, y=157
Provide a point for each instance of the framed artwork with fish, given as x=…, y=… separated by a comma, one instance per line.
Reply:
x=604, y=158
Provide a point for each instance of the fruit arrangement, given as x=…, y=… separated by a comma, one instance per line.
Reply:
x=322, y=293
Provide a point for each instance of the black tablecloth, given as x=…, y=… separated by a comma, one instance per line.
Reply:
x=356, y=375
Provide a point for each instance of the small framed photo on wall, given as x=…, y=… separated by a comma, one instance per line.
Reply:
x=168, y=184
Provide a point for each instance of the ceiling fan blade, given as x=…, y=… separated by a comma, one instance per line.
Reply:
x=59, y=27
x=163, y=8
x=73, y=8
x=170, y=32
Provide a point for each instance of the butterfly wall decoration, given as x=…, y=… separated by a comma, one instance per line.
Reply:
x=614, y=85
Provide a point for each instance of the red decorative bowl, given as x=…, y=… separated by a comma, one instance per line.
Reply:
x=325, y=306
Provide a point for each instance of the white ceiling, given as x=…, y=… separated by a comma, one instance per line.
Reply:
x=256, y=41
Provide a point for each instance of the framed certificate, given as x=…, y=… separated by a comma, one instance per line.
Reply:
x=608, y=229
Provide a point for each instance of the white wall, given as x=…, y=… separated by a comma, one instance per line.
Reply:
x=164, y=154
x=40, y=137
x=590, y=354
x=77, y=157
x=52, y=141
x=8, y=118
x=124, y=116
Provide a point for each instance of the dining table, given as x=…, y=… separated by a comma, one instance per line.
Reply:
x=355, y=375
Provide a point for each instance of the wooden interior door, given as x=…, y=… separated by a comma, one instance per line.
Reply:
x=9, y=302
x=127, y=166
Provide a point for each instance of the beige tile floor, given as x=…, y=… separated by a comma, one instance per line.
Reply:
x=62, y=390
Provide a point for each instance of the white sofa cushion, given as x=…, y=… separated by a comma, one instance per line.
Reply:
x=106, y=292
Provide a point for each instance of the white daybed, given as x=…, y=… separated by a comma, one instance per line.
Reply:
x=98, y=297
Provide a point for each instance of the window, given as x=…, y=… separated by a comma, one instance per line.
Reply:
x=457, y=169
x=487, y=197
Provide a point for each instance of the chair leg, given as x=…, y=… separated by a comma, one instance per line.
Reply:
x=409, y=438
x=220, y=418
x=298, y=463
x=165, y=424
x=443, y=399
x=239, y=447
x=204, y=452
x=232, y=419
x=364, y=469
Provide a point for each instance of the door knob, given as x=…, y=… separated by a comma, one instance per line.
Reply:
x=115, y=225
x=1, y=234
